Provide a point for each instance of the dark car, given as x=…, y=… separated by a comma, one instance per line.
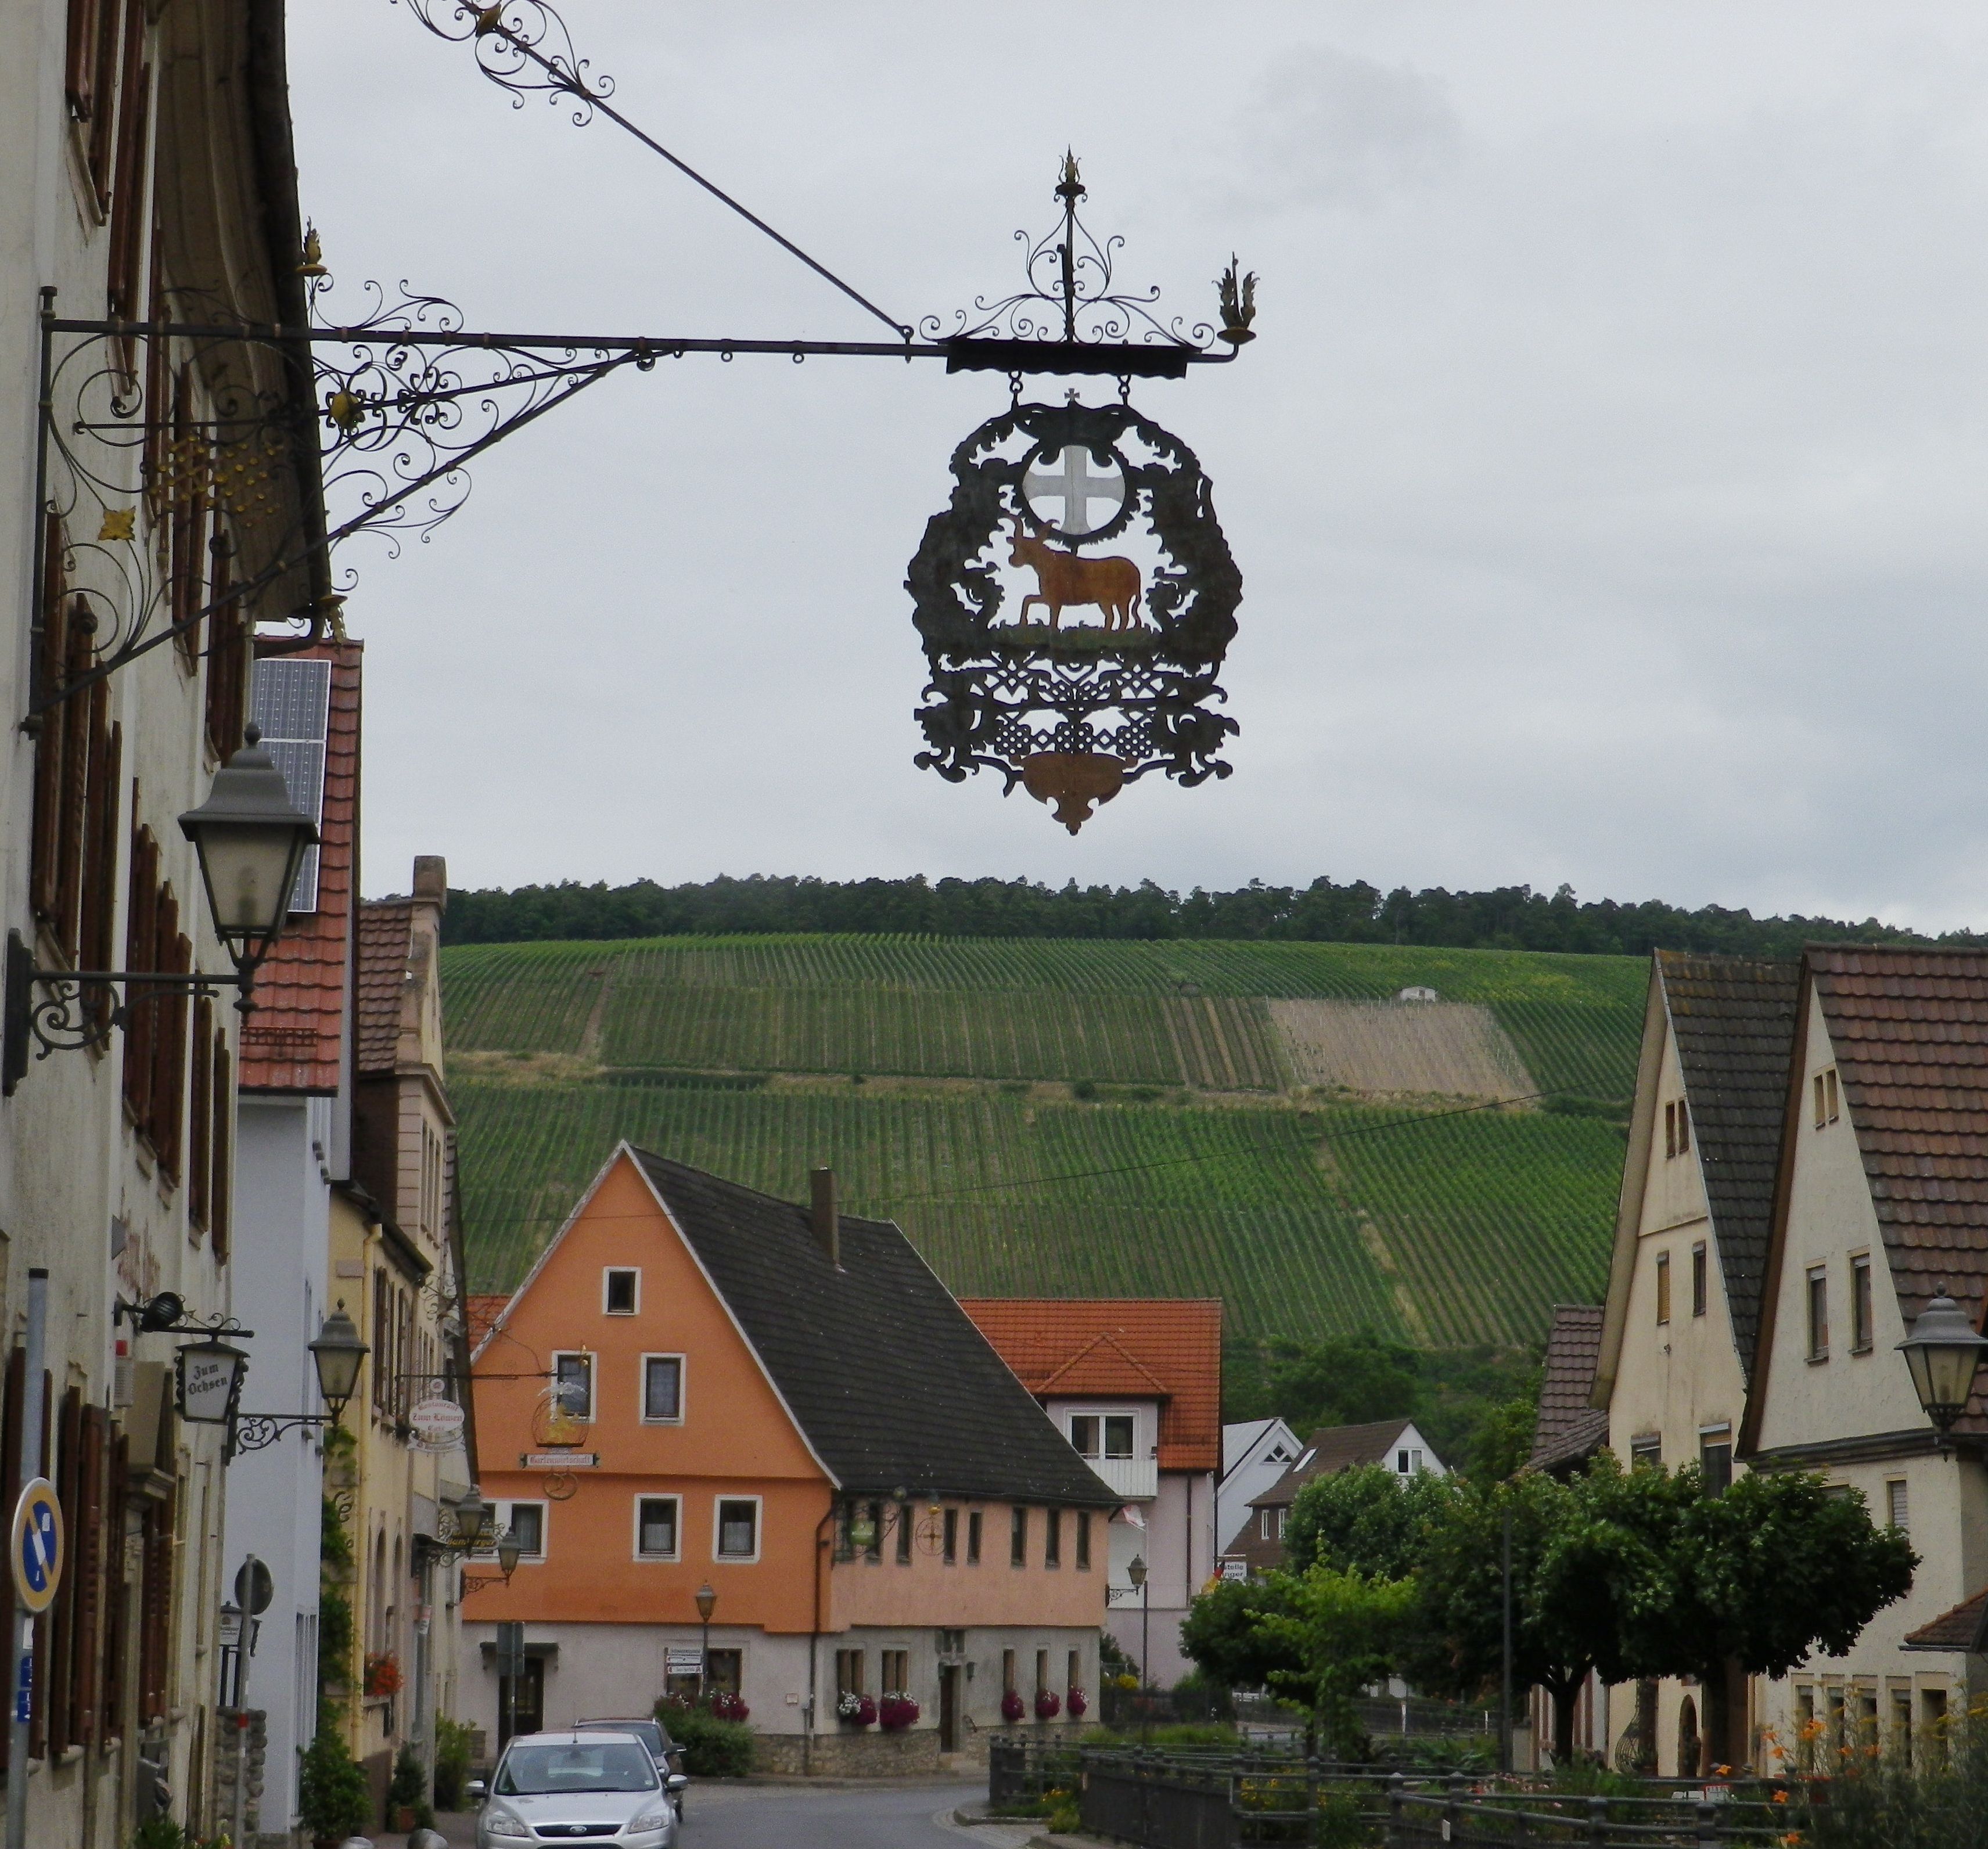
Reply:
x=664, y=1751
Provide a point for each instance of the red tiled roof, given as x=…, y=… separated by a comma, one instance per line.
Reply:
x=481, y=1313
x=1129, y=1347
x=1909, y=1030
x=1965, y=1627
x=1569, y=1429
x=386, y=929
x=292, y=1041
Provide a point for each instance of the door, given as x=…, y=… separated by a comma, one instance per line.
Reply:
x=949, y=1708
x=529, y=1715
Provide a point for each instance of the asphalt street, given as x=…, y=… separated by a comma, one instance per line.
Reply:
x=878, y=1817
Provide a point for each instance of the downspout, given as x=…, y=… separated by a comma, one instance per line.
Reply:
x=814, y=1638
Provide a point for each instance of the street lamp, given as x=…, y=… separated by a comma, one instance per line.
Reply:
x=1136, y=1572
x=250, y=840
x=336, y=1354
x=707, y=1602
x=1942, y=1352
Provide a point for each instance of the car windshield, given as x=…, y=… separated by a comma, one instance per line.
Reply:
x=533, y=1770
x=649, y=1732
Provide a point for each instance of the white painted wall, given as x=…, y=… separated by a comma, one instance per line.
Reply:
x=1263, y=1451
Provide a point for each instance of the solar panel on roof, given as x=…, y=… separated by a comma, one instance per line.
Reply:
x=290, y=702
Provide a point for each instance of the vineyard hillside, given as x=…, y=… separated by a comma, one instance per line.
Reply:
x=1268, y=1123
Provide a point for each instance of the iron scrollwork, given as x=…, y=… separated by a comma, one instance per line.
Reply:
x=1075, y=713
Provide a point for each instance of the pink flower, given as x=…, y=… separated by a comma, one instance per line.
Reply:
x=1011, y=1706
x=1048, y=1705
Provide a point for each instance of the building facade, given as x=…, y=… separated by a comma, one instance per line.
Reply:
x=1255, y=1453
x=1395, y=1444
x=699, y=1385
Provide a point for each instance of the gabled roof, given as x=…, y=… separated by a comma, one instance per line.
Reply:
x=480, y=1312
x=1734, y=1019
x=1240, y=1440
x=890, y=1381
x=1909, y=1031
x=386, y=935
x=1965, y=1627
x=1164, y=1348
x=294, y=1041
x=1330, y=1448
x=1569, y=1429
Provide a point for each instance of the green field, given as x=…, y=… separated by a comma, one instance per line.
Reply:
x=1194, y=1172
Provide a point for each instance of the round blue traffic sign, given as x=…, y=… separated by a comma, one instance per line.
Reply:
x=37, y=1545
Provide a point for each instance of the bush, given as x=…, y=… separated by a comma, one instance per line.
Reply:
x=408, y=1787
x=332, y=1794
x=713, y=1747
x=451, y=1762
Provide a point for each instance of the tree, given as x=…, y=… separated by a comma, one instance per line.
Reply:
x=1221, y=1634
x=1345, y=1632
x=1346, y=1380
x=1368, y=1520
x=1503, y=1439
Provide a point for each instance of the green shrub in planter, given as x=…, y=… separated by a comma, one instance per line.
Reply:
x=452, y=1764
x=713, y=1747
x=332, y=1794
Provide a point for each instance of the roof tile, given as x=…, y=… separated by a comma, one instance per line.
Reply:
x=1569, y=1428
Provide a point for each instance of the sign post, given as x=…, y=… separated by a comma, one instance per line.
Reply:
x=253, y=1589
x=36, y=1552
x=511, y=1670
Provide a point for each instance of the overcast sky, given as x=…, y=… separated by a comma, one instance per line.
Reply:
x=1607, y=481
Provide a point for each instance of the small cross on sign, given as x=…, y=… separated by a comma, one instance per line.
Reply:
x=1076, y=487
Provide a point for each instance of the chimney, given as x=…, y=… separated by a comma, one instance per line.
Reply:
x=827, y=1224
x=431, y=879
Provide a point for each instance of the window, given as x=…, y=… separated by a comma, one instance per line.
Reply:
x=893, y=1671
x=736, y=1520
x=1093, y=1435
x=662, y=1388
x=1401, y=1463
x=849, y=1673
x=1053, y=1537
x=1902, y=1726
x=1898, y=1512
x=1042, y=1670
x=573, y=1376
x=1283, y=1515
x=291, y=700
x=1818, y=1313
x=1860, y=1304
x=1083, y=1434
x=1663, y=1287
x=656, y=1527
x=524, y=1523
x=1677, y=1130
x=1647, y=1449
x=1118, y=1435
x=1074, y=1678
x=1018, y=1538
x=618, y=1291
x=1714, y=1457
x=1007, y=1672
x=1697, y=1278
x=1266, y=1526
x=952, y=1643
x=902, y=1515
x=872, y=1549
x=1828, y=1105
x=949, y=1550
x=973, y=1538
x=1084, y=1539
x=1932, y=1718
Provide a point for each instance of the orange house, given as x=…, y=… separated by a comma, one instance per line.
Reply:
x=698, y=1384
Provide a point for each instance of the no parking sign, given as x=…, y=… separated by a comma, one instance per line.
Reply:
x=37, y=1546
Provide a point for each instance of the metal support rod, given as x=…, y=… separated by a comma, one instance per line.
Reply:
x=32, y=1407
x=1505, y=1687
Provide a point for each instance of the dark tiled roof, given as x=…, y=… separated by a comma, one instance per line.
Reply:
x=1569, y=1429
x=1734, y=1021
x=293, y=1041
x=1168, y=1348
x=889, y=1380
x=386, y=928
x=1909, y=1030
x=1965, y=1627
x=1333, y=1447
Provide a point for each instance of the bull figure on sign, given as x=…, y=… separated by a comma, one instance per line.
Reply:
x=1064, y=578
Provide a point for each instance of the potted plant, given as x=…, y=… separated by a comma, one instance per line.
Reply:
x=854, y=1710
x=1049, y=1705
x=405, y=1795
x=1011, y=1709
x=1078, y=1704
x=896, y=1711
x=728, y=1705
x=383, y=1673
x=332, y=1794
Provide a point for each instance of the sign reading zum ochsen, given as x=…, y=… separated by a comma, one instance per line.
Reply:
x=559, y=1460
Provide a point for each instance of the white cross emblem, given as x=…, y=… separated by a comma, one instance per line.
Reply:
x=1076, y=487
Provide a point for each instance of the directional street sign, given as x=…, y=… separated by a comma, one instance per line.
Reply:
x=37, y=1545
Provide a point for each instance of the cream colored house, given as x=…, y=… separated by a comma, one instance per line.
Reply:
x=1684, y=1288
x=1882, y=1203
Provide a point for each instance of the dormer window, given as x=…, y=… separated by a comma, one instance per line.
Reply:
x=1677, y=1129
x=1112, y=1431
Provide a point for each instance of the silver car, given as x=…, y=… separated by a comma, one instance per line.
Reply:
x=577, y=1787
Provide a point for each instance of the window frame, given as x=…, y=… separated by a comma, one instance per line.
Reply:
x=675, y=1555
x=505, y=1506
x=1701, y=1265
x=642, y=1386
x=593, y=1378
x=1815, y=1303
x=1862, y=1309
x=608, y=1274
x=973, y=1536
x=718, y=1504
x=1898, y=1501
x=1018, y=1535
x=1053, y=1538
x=1664, y=1289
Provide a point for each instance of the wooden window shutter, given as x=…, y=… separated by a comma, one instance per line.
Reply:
x=221, y=1181
x=169, y=1015
x=74, y=772
x=59, y=1678
x=88, y=1548
x=46, y=852
x=186, y=518
x=227, y=657
x=140, y=937
x=127, y=181
x=199, y=1114
x=116, y=1604
x=107, y=31
x=96, y=936
x=80, y=63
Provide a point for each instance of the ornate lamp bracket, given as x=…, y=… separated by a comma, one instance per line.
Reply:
x=258, y=1431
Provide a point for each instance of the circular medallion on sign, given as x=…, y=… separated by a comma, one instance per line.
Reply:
x=561, y=1486
x=438, y=1423
x=929, y=1533
x=1073, y=480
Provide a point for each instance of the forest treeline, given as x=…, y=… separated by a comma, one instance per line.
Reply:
x=1510, y=917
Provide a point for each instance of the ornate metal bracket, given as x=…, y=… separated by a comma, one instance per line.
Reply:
x=77, y=1013
x=475, y=1582
x=258, y=1431
x=165, y=1314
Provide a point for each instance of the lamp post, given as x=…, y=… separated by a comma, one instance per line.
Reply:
x=707, y=1602
x=336, y=1354
x=1942, y=1352
x=250, y=840
x=1136, y=1572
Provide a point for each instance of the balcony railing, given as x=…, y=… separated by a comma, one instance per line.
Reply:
x=1137, y=1479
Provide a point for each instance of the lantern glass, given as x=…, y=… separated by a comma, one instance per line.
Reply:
x=337, y=1353
x=707, y=1601
x=210, y=1375
x=1941, y=1354
x=251, y=839
x=509, y=1553
x=1136, y=1572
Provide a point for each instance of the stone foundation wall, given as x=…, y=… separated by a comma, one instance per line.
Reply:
x=849, y=1752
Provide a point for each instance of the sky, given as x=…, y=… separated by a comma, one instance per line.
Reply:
x=1608, y=478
